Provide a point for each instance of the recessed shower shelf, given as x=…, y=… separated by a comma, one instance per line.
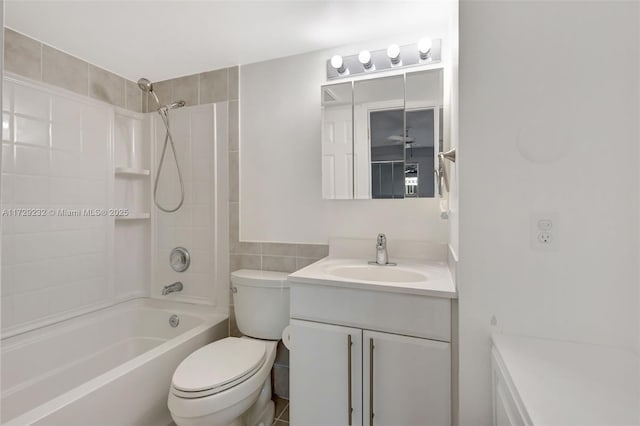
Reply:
x=129, y=171
x=134, y=216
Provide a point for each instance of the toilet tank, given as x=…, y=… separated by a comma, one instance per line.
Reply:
x=261, y=302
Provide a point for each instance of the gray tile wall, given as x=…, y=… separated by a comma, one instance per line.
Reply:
x=198, y=89
x=30, y=58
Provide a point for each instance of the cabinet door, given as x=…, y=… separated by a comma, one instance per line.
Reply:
x=406, y=381
x=337, y=152
x=326, y=375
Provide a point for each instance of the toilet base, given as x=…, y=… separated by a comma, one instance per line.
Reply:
x=260, y=413
x=266, y=417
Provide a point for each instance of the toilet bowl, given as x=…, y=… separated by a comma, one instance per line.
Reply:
x=228, y=382
x=224, y=400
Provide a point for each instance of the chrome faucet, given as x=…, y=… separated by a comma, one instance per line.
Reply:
x=382, y=258
x=172, y=288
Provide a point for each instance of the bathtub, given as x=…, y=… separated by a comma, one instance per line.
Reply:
x=111, y=367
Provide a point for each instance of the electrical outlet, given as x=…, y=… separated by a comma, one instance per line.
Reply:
x=545, y=237
x=544, y=230
x=545, y=224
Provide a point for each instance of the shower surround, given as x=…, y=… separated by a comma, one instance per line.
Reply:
x=68, y=153
x=64, y=150
x=56, y=158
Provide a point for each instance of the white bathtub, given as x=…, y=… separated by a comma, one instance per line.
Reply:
x=112, y=367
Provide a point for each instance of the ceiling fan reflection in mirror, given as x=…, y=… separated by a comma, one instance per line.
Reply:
x=408, y=140
x=399, y=138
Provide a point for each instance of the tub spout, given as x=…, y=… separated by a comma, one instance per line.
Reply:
x=172, y=288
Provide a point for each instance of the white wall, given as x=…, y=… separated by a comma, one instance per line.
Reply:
x=559, y=82
x=280, y=165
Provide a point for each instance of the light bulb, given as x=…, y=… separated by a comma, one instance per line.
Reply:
x=365, y=59
x=338, y=63
x=393, y=52
x=424, y=47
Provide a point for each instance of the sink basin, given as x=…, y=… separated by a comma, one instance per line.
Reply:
x=411, y=276
x=387, y=274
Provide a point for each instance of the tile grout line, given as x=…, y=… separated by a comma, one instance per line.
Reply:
x=279, y=417
x=198, y=87
x=41, y=62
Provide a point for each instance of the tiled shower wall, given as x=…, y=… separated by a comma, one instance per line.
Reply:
x=201, y=144
x=54, y=156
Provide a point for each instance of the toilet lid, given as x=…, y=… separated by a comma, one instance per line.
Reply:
x=218, y=364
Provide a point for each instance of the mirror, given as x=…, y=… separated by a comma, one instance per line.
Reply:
x=423, y=131
x=380, y=136
x=378, y=123
x=337, y=142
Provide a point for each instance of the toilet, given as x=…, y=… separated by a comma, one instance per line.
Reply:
x=228, y=382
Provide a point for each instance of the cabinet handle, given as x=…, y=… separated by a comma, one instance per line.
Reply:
x=371, y=347
x=349, y=389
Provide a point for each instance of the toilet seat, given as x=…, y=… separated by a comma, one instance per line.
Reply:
x=218, y=366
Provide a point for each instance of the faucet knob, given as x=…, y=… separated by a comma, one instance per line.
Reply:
x=382, y=239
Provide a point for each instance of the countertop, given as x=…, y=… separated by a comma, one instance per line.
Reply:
x=439, y=282
x=565, y=383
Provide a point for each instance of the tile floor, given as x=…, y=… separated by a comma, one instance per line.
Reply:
x=282, y=412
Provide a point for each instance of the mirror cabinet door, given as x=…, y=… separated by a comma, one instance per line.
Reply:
x=423, y=131
x=337, y=141
x=379, y=137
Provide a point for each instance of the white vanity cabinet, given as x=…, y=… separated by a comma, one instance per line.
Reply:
x=406, y=380
x=325, y=374
x=350, y=366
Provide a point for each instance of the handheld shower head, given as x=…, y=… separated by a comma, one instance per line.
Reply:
x=164, y=109
x=145, y=85
x=175, y=105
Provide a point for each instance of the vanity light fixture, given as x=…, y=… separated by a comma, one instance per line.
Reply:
x=338, y=64
x=424, y=48
x=425, y=52
x=393, y=52
x=364, y=57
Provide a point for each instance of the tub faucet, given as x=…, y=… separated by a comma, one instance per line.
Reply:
x=172, y=288
x=382, y=258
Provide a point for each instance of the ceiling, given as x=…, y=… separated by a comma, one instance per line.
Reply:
x=163, y=39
